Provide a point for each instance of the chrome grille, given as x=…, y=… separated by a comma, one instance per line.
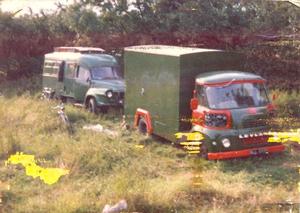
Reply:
x=118, y=97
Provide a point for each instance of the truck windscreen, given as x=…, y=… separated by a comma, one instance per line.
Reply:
x=100, y=73
x=236, y=96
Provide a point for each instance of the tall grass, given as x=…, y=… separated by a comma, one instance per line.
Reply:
x=105, y=169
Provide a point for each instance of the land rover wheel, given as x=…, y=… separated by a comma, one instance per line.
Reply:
x=63, y=99
x=104, y=109
x=91, y=106
x=142, y=126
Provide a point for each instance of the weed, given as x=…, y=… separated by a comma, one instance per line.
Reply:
x=150, y=174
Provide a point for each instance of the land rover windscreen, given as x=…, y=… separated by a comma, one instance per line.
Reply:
x=104, y=73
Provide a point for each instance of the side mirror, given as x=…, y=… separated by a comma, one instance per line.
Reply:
x=194, y=103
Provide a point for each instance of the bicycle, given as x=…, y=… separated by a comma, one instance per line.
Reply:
x=63, y=116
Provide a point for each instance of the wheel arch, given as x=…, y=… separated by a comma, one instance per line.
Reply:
x=141, y=113
x=87, y=99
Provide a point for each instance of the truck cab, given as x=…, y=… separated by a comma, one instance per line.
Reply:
x=231, y=109
x=85, y=76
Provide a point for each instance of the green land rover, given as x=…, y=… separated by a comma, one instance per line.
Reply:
x=85, y=76
x=175, y=89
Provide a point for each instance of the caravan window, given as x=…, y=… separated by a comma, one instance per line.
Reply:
x=70, y=70
x=51, y=67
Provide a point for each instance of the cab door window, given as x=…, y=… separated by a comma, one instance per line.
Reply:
x=201, y=96
x=83, y=74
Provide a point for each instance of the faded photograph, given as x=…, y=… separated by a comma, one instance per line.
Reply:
x=149, y=106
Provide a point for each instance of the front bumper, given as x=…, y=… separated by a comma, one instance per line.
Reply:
x=246, y=152
x=116, y=101
x=110, y=104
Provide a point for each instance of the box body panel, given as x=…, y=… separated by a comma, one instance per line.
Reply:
x=152, y=83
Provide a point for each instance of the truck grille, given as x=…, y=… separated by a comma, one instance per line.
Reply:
x=121, y=95
x=250, y=123
x=255, y=140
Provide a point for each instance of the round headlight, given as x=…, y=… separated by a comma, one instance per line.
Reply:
x=109, y=94
x=226, y=142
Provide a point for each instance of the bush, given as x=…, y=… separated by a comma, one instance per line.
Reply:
x=277, y=62
x=287, y=103
x=21, y=86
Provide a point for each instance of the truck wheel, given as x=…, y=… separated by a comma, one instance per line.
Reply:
x=203, y=151
x=142, y=126
x=92, y=106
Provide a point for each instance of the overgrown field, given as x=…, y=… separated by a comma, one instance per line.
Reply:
x=152, y=176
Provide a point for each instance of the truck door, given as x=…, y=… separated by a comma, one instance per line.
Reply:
x=198, y=113
x=69, y=81
x=82, y=83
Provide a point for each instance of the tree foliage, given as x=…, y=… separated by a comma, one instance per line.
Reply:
x=117, y=23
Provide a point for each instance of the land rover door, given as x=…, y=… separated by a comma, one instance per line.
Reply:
x=69, y=79
x=82, y=83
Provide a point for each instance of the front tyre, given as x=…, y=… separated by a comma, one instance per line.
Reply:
x=104, y=109
x=142, y=126
x=203, y=151
x=63, y=99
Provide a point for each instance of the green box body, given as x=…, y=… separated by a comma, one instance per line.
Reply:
x=161, y=80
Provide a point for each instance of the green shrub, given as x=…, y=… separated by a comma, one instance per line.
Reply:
x=287, y=103
x=21, y=86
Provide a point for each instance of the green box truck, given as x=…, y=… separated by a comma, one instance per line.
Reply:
x=178, y=89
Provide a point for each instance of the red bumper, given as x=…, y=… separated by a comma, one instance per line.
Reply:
x=244, y=152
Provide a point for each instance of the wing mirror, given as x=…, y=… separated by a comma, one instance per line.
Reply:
x=194, y=103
